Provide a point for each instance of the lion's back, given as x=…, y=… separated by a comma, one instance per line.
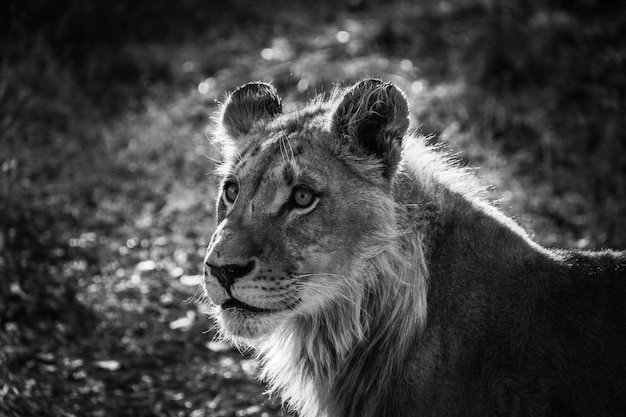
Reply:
x=527, y=332
x=588, y=332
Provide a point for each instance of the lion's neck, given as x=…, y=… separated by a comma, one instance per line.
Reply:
x=344, y=360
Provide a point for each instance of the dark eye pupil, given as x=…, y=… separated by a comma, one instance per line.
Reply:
x=303, y=197
x=231, y=192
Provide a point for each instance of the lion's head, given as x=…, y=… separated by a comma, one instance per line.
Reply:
x=305, y=200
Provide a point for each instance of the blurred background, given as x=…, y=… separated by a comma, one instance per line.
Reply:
x=106, y=192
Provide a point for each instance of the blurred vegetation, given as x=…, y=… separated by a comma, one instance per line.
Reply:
x=106, y=197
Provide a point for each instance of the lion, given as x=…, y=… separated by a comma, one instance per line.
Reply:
x=371, y=277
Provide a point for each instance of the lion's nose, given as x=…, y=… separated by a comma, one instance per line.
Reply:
x=227, y=274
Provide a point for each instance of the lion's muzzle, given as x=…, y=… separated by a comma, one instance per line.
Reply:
x=227, y=274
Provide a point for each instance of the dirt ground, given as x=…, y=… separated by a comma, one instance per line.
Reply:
x=106, y=186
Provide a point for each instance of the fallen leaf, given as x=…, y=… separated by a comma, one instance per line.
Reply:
x=176, y=272
x=248, y=411
x=110, y=365
x=218, y=346
x=191, y=280
x=145, y=266
x=183, y=323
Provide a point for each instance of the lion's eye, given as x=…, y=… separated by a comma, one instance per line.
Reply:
x=230, y=192
x=302, y=197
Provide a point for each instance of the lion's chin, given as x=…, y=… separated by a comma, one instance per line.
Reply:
x=239, y=324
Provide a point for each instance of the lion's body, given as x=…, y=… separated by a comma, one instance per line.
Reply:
x=517, y=330
x=372, y=280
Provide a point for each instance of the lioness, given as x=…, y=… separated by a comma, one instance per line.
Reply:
x=372, y=279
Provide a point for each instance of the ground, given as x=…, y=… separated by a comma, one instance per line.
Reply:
x=106, y=186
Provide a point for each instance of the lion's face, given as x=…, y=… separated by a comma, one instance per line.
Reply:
x=291, y=219
x=295, y=219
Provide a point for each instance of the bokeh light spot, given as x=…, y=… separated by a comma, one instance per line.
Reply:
x=190, y=66
x=303, y=85
x=343, y=36
x=206, y=86
x=406, y=65
x=267, y=54
x=203, y=88
x=417, y=87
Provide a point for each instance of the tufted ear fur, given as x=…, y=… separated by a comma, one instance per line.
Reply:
x=374, y=117
x=247, y=105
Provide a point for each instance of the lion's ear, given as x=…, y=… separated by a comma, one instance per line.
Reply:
x=247, y=105
x=374, y=116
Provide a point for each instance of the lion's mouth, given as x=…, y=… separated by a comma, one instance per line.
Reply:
x=238, y=305
x=234, y=304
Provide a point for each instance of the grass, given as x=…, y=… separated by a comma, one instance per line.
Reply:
x=106, y=193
